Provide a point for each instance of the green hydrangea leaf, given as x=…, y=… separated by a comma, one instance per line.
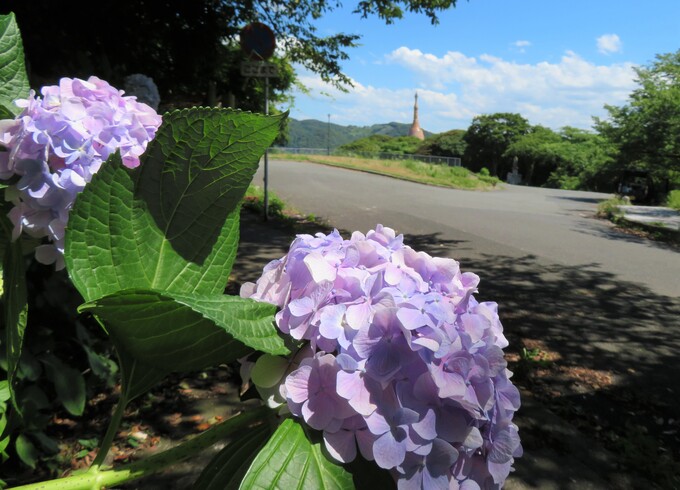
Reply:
x=26, y=451
x=13, y=79
x=208, y=158
x=290, y=460
x=225, y=471
x=5, y=394
x=161, y=332
x=69, y=384
x=14, y=301
x=173, y=223
x=3, y=442
x=5, y=113
x=249, y=321
x=138, y=377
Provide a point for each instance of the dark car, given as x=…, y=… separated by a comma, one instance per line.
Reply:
x=635, y=184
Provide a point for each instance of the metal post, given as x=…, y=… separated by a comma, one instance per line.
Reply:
x=266, y=153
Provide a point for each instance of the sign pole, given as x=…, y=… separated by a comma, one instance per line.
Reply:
x=258, y=43
x=266, y=153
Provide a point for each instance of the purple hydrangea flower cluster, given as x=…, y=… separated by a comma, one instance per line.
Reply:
x=55, y=146
x=404, y=364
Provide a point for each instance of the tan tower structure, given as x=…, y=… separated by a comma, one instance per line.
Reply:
x=415, y=130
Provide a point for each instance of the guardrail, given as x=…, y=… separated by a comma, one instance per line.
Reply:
x=450, y=161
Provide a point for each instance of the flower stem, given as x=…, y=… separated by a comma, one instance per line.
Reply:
x=110, y=435
x=95, y=479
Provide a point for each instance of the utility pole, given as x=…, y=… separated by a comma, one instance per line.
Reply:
x=266, y=153
x=328, y=136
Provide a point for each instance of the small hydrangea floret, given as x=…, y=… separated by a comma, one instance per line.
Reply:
x=55, y=146
x=401, y=363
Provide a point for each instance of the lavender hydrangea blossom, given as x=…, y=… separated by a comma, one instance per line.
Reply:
x=55, y=146
x=402, y=362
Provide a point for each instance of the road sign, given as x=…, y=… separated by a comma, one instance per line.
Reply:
x=259, y=69
x=258, y=41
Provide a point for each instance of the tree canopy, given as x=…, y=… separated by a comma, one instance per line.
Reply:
x=380, y=143
x=571, y=158
x=184, y=45
x=488, y=138
x=448, y=144
x=647, y=129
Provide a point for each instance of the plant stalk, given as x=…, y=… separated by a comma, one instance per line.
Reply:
x=110, y=435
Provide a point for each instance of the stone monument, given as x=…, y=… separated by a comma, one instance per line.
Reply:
x=514, y=177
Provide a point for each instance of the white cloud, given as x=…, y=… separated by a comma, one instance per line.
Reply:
x=521, y=45
x=453, y=88
x=567, y=92
x=609, y=43
x=364, y=105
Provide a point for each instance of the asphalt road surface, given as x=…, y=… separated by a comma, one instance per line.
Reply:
x=554, y=225
x=608, y=303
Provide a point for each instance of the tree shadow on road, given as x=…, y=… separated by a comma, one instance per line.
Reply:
x=587, y=314
x=432, y=243
x=606, y=229
x=589, y=200
x=616, y=344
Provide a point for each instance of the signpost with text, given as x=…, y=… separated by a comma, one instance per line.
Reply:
x=259, y=69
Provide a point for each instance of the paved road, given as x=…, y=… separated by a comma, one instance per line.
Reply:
x=607, y=303
x=550, y=224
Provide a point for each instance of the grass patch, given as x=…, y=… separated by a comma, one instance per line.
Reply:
x=609, y=209
x=254, y=201
x=279, y=210
x=673, y=200
x=412, y=170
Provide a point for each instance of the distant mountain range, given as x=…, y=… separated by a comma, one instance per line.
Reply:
x=312, y=133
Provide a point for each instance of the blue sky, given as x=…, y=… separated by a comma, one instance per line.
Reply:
x=556, y=62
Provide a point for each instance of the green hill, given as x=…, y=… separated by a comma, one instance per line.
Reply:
x=312, y=133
